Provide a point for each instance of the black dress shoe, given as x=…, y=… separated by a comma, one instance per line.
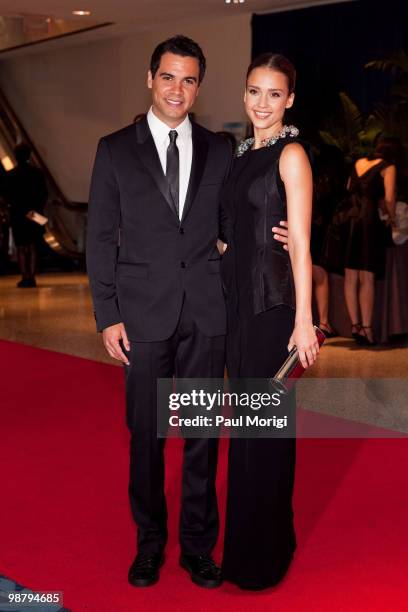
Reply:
x=27, y=283
x=144, y=570
x=202, y=570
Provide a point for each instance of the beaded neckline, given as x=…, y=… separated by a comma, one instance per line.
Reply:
x=287, y=130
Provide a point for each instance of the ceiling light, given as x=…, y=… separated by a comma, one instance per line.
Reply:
x=81, y=13
x=234, y=1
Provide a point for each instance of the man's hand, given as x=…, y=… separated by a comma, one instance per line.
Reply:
x=281, y=233
x=221, y=246
x=111, y=336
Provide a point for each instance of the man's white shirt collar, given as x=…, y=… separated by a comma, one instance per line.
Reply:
x=160, y=131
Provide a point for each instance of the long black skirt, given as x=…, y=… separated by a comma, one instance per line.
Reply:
x=259, y=535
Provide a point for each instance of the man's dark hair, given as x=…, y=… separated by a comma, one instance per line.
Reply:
x=179, y=45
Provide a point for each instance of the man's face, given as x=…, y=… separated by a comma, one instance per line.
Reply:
x=174, y=87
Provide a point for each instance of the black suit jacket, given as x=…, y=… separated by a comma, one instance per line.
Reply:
x=141, y=259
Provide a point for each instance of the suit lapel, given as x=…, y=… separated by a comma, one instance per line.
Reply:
x=149, y=157
x=200, y=151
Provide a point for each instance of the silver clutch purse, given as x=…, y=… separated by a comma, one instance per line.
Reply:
x=291, y=369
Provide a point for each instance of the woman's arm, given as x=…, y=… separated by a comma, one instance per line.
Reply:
x=296, y=175
x=389, y=175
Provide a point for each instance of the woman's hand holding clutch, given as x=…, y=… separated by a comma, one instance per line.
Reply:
x=305, y=339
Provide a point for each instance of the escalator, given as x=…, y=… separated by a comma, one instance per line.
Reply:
x=66, y=227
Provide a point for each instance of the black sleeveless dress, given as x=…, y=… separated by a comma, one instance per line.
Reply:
x=368, y=235
x=259, y=535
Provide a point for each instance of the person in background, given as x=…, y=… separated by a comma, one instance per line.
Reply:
x=372, y=185
x=4, y=223
x=25, y=190
x=329, y=188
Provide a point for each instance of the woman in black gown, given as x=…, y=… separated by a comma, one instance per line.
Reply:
x=271, y=180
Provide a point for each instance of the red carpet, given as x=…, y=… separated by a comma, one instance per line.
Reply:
x=65, y=523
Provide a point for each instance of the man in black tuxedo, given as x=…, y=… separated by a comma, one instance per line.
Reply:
x=153, y=265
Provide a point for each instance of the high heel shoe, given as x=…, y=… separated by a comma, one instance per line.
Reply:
x=355, y=332
x=328, y=330
x=365, y=340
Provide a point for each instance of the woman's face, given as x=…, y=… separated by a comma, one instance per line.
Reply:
x=267, y=97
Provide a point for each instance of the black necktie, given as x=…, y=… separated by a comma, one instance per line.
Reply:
x=172, y=168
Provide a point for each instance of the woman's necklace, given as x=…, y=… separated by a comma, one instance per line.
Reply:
x=287, y=130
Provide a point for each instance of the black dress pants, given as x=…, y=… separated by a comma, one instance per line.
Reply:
x=186, y=354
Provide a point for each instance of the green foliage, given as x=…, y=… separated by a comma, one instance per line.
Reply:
x=346, y=130
x=394, y=117
x=354, y=135
x=398, y=64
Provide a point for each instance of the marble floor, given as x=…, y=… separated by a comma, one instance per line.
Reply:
x=58, y=315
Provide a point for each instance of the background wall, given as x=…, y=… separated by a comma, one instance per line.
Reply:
x=68, y=96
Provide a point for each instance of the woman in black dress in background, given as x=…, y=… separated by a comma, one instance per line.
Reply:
x=372, y=184
x=271, y=180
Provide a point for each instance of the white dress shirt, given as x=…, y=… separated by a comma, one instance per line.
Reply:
x=160, y=132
